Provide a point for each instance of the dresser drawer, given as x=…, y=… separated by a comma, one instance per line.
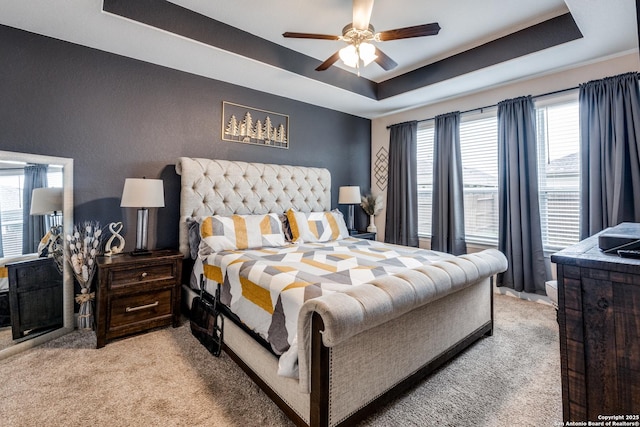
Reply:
x=125, y=277
x=130, y=309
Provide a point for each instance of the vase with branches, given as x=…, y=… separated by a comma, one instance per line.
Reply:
x=372, y=205
x=83, y=246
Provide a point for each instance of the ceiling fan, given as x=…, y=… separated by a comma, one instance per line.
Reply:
x=359, y=34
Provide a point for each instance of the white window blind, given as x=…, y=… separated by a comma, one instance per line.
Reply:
x=11, y=213
x=425, y=176
x=559, y=173
x=479, y=153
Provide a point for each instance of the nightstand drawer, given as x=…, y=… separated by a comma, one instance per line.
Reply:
x=125, y=277
x=130, y=309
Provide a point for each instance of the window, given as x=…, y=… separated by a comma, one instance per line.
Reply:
x=11, y=190
x=558, y=174
x=11, y=212
x=425, y=176
x=478, y=150
x=479, y=153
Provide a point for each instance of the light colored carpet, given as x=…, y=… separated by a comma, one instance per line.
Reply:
x=166, y=378
x=6, y=337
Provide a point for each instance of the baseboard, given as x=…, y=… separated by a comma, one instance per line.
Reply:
x=542, y=299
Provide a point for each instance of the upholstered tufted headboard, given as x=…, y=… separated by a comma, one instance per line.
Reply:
x=223, y=187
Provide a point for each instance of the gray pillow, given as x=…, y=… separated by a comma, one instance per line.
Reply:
x=194, y=237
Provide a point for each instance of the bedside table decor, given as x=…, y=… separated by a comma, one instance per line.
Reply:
x=349, y=195
x=115, y=228
x=82, y=250
x=372, y=205
x=142, y=193
x=47, y=202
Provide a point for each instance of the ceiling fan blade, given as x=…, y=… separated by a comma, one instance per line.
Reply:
x=362, y=14
x=384, y=61
x=310, y=36
x=329, y=62
x=409, y=32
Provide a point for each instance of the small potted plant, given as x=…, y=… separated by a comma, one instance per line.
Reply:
x=372, y=205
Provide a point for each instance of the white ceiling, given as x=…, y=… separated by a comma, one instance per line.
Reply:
x=608, y=26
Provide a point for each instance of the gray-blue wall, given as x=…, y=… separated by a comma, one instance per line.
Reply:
x=119, y=118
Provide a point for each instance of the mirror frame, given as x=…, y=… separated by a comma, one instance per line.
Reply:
x=68, y=320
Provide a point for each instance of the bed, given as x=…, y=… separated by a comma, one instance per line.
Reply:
x=353, y=347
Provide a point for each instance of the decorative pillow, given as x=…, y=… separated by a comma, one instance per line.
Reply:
x=194, y=236
x=286, y=228
x=226, y=233
x=317, y=226
x=43, y=245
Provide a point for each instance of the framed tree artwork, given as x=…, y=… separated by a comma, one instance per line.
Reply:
x=254, y=126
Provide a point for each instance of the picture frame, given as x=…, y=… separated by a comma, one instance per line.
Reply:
x=249, y=125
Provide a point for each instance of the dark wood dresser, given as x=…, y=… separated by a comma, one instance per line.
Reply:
x=599, y=319
x=35, y=296
x=137, y=293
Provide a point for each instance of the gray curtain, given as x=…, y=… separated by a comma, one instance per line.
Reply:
x=401, y=223
x=609, y=153
x=447, y=226
x=520, y=237
x=33, y=227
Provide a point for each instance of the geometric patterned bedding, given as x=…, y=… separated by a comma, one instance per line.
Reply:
x=4, y=279
x=266, y=287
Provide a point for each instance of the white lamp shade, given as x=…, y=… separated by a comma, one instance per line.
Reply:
x=46, y=200
x=367, y=53
x=349, y=55
x=349, y=195
x=142, y=193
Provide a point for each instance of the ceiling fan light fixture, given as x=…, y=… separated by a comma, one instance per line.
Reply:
x=349, y=56
x=358, y=36
x=367, y=53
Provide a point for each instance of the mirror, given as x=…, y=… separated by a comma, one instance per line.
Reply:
x=59, y=175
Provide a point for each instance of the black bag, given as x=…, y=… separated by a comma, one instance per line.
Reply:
x=207, y=324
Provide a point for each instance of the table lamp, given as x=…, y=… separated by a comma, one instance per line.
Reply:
x=142, y=193
x=350, y=195
x=47, y=201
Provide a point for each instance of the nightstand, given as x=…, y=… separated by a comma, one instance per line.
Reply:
x=137, y=293
x=364, y=235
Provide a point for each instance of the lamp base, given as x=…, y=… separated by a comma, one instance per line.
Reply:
x=139, y=252
x=141, y=233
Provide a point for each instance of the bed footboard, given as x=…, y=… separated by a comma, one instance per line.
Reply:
x=350, y=380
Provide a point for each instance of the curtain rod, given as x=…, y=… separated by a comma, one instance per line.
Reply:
x=534, y=97
x=495, y=105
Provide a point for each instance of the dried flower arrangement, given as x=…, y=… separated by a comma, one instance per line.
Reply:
x=82, y=249
x=371, y=204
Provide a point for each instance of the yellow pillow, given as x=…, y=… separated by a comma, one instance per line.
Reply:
x=317, y=226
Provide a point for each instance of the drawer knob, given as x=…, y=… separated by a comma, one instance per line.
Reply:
x=143, y=275
x=603, y=304
x=141, y=307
